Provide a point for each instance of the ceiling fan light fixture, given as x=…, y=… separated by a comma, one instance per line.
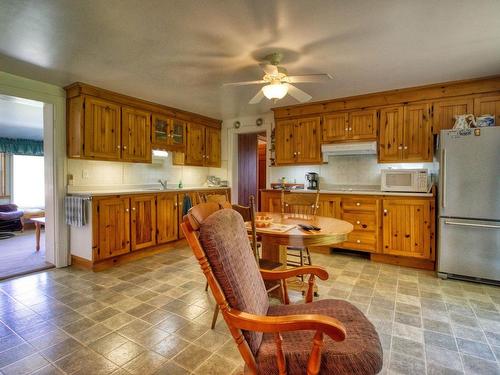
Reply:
x=275, y=90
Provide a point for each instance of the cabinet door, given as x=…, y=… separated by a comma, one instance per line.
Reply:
x=212, y=147
x=160, y=131
x=177, y=135
x=488, y=105
x=113, y=227
x=363, y=124
x=143, y=221
x=180, y=199
x=444, y=112
x=308, y=140
x=329, y=206
x=195, y=144
x=166, y=218
x=102, y=129
x=136, y=135
x=285, y=142
x=334, y=127
x=418, y=139
x=407, y=227
x=391, y=134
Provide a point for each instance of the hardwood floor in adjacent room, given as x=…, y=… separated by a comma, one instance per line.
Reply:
x=153, y=316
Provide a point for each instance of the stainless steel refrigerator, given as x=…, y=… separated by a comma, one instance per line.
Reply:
x=469, y=204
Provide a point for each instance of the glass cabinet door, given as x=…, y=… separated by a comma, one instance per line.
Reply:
x=178, y=133
x=160, y=130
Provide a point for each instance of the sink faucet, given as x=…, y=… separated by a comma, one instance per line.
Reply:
x=163, y=183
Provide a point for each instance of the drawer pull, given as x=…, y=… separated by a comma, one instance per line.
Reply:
x=358, y=204
x=358, y=222
x=358, y=241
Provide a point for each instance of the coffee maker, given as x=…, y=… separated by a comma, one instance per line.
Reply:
x=312, y=181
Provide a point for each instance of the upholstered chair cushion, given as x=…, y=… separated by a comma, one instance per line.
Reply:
x=224, y=239
x=359, y=354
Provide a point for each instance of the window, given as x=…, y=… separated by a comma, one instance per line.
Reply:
x=3, y=175
x=28, y=181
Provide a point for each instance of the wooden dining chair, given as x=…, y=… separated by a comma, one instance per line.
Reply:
x=321, y=337
x=301, y=206
x=223, y=199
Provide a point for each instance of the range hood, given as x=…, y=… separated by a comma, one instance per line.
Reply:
x=352, y=148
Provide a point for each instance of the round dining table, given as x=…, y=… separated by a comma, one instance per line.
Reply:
x=285, y=231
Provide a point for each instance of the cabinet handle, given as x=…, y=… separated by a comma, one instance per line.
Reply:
x=126, y=210
x=406, y=147
x=298, y=153
x=206, y=157
x=385, y=212
x=358, y=241
x=346, y=129
x=294, y=153
x=118, y=147
x=124, y=147
x=133, y=208
x=350, y=129
x=400, y=147
x=358, y=222
x=175, y=204
x=358, y=204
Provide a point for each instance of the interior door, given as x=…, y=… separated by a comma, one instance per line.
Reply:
x=114, y=227
x=334, y=127
x=166, y=218
x=285, y=142
x=391, y=134
x=143, y=221
x=212, y=147
x=418, y=139
x=136, y=135
x=308, y=140
x=407, y=227
x=102, y=129
x=247, y=167
x=444, y=112
x=195, y=144
x=363, y=124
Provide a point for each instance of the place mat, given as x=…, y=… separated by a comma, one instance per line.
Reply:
x=274, y=228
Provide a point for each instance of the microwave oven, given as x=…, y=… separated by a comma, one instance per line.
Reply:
x=405, y=180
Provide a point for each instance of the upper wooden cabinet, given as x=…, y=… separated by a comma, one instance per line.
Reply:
x=444, y=112
x=168, y=134
x=212, y=147
x=136, y=135
x=298, y=141
x=203, y=147
x=104, y=125
x=195, y=145
x=101, y=129
x=405, y=134
x=488, y=105
x=349, y=126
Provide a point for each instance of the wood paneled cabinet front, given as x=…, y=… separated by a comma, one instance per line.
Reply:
x=408, y=228
x=143, y=221
x=168, y=133
x=298, y=141
x=349, y=126
x=167, y=208
x=405, y=134
x=488, y=105
x=113, y=227
x=203, y=147
x=136, y=135
x=444, y=112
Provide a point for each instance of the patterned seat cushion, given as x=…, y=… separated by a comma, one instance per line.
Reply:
x=360, y=353
x=224, y=239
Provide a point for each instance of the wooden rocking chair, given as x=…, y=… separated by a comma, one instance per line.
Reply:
x=281, y=339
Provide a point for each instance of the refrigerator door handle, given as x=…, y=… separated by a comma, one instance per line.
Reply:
x=472, y=225
x=443, y=178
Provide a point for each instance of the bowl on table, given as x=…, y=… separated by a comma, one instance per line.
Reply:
x=263, y=221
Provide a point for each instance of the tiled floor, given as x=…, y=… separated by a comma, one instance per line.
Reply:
x=152, y=316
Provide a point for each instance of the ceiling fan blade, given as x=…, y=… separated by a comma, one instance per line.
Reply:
x=244, y=83
x=298, y=94
x=257, y=98
x=269, y=68
x=310, y=78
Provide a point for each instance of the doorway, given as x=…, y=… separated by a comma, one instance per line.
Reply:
x=251, y=166
x=22, y=195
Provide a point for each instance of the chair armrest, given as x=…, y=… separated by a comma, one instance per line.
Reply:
x=310, y=322
x=297, y=271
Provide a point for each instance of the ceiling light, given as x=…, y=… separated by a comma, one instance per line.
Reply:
x=275, y=90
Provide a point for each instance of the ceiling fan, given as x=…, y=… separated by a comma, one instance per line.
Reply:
x=278, y=82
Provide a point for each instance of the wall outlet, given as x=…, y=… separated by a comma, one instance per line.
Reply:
x=70, y=179
x=85, y=174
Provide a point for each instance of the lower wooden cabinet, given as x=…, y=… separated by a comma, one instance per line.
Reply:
x=407, y=228
x=329, y=205
x=113, y=227
x=143, y=215
x=363, y=213
x=167, y=208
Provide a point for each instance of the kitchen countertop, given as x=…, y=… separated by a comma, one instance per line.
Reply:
x=139, y=190
x=359, y=190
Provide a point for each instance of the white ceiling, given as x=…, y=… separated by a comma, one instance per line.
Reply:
x=21, y=118
x=180, y=52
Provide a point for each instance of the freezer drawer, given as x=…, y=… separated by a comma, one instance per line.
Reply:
x=469, y=248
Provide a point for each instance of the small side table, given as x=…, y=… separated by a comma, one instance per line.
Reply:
x=39, y=221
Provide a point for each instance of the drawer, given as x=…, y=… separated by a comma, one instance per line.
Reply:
x=362, y=221
x=358, y=240
x=359, y=204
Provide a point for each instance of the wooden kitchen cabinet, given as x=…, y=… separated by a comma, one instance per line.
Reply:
x=113, y=226
x=444, y=112
x=363, y=213
x=363, y=125
x=329, y=205
x=203, y=147
x=334, y=127
x=168, y=133
x=136, y=135
x=298, y=141
x=488, y=105
x=405, y=134
x=167, y=227
x=407, y=228
x=212, y=147
x=102, y=129
x=143, y=219
x=195, y=144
